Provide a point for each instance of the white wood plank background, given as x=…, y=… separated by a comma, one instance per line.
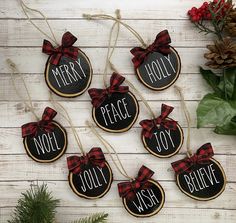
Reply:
x=22, y=43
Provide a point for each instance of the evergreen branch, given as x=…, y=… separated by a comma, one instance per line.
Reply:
x=95, y=218
x=35, y=206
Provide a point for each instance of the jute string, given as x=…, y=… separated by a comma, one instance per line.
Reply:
x=110, y=51
x=136, y=90
x=15, y=72
x=187, y=117
x=108, y=146
x=111, y=48
x=108, y=17
x=68, y=119
x=25, y=8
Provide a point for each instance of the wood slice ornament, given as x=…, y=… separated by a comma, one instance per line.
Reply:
x=162, y=136
x=46, y=140
x=142, y=197
x=200, y=176
x=68, y=71
x=90, y=175
x=115, y=108
x=158, y=66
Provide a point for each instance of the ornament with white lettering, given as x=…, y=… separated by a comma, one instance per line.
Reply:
x=68, y=71
x=90, y=175
x=142, y=197
x=46, y=140
x=200, y=176
x=158, y=66
x=162, y=136
x=115, y=109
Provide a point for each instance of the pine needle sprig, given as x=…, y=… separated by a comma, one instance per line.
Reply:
x=94, y=218
x=35, y=206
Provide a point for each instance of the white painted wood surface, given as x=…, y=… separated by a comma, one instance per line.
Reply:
x=21, y=42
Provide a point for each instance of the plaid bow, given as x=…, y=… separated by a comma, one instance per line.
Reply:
x=161, y=44
x=65, y=49
x=76, y=163
x=98, y=96
x=128, y=189
x=202, y=156
x=31, y=129
x=148, y=125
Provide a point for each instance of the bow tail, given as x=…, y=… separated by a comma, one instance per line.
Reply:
x=139, y=56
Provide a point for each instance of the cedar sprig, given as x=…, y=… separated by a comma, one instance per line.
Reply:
x=35, y=206
x=94, y=218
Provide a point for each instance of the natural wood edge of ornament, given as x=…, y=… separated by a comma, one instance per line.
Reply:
x=170, y=155
x=163, y=88
x=54, y=159
x=121, y=130
x=68, y=95
x=151, y=214
x=205, y=199
x=86, y=197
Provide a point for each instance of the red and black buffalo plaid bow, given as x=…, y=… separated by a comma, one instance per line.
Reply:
x=161, y=45
x=66, y=49
x=202, y=156
x=76, y=163
x=31, y=129
x=128, y=189
x=149, y=125
x=98, y=95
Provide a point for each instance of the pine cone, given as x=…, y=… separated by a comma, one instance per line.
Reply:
x=230, y=23
x=222, y=54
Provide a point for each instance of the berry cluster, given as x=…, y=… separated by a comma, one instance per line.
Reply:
x=218, y=7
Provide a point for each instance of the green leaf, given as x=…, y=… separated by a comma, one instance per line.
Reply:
x=228, y=128
x=230, y=82
x=215, y=110
x=221, y=86
x=213, y=80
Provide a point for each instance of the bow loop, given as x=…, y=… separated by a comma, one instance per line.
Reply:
x=202, y=156
x=165, y=111
x=98, y=96
x=144, y=174
x=161, y=45
x=68, y=39
x=66, y=49
x=128, y=189
x=149, y=125
x=95, y=157
x=45, y=124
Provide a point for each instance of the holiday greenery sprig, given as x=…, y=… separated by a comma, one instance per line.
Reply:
x=218, y=108
x=94, y=218
x=37, y=205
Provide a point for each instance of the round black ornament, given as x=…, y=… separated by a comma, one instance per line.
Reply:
x=115, y=109
x=90, y=176
x=159, y=65
x=162, y=136
x=164, y=142
x=143, y=197
x=200, y=177
x=44, y=141
x=68, y=71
